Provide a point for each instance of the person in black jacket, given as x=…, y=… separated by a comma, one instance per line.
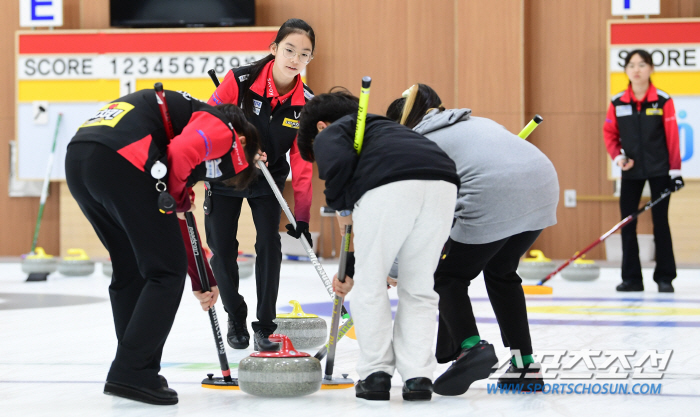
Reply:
x=271, y=94
x=641, y=136
x=402, y=190
x=114, y=166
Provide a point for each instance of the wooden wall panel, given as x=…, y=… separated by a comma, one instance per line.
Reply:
x=565, y=43
x=94, y=14
x=431, y=53
x=19, y=213
x=489, y=51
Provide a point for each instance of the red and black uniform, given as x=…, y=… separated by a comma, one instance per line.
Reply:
x=646, y=132
x=277, y=121
x=108, y=165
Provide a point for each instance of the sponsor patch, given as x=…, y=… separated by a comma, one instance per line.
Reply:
x=257, y=104
x=187, y=96
x=294, y=124
x=308, y=95
x=109, y=115
x=624, y=110
x=655, y=112
x=213, y=170
x=243, y=77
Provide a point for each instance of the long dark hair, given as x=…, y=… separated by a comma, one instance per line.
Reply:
x=289, y=27
x=420, y=100
x=243, y=127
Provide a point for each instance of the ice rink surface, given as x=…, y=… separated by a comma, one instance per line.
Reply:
x=57, y=342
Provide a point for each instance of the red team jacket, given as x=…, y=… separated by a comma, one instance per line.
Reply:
x=277, y=121
x=646, y=130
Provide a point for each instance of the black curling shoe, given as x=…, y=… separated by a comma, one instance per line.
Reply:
x=471, y=365
x=375, y=387
x=261, y=343
x=527, y=379
x=417, y=389
x=238, y=336
x=666, y=287
x=630, y=287
x=160, y=396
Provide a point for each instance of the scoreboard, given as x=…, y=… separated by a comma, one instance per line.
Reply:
x=77, y=72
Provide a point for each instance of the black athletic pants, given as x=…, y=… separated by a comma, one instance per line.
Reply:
x=462, y=263
x=630, y=194
x=148, y=257
x=222, y=227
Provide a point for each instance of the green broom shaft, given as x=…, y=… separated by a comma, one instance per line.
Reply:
x=45, y=188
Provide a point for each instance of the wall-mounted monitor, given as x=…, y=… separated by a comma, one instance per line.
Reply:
x=181, y=13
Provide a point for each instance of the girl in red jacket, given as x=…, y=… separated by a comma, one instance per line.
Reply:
x=271, y=94
x=110, y=172
x=641, y=136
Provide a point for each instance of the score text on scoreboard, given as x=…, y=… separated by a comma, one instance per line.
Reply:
x=76, y=72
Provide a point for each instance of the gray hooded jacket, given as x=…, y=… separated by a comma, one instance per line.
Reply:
x=508, y=185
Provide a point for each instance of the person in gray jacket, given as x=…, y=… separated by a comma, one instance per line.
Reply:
x=508, y=194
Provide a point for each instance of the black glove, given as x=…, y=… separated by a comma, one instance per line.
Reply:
x=676, y=183
x=302, y=227
x=350, y=265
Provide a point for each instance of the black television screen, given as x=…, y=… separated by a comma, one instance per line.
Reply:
x=181, y=13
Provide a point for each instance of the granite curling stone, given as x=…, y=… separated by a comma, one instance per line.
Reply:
x=107, y=268
x=304, y=330
x=536, y=268
x=76, y=264
x=39, y=262
x=581, y=270
x=245, y=266
x=285, y=373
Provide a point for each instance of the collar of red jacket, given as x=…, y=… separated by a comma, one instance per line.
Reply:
x=264, y=85
x=629, y=97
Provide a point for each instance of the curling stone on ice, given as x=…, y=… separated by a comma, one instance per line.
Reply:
x=581, y=270
x=304, y=330
x=285, y=373
x=245, y=266
x=39, y=265
x=107, y=267
x=76, y=264
x=537, y=267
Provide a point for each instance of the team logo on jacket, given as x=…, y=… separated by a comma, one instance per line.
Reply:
x=294, y=124
x=257, y=105
x=109, y=115
x=655, y=112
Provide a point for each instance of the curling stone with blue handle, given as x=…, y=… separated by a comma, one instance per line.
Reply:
x=76, y=264
x=285, y=373
x=536, y=268
x=581, y=270
x=304, y=330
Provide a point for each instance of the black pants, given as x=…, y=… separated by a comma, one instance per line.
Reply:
x=499, y=262
x=148, y=257
x=222, y=227
x=630, y=194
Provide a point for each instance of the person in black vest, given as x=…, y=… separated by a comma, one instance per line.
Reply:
x=641, y=136
x=271, y=94
x=113, y=166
